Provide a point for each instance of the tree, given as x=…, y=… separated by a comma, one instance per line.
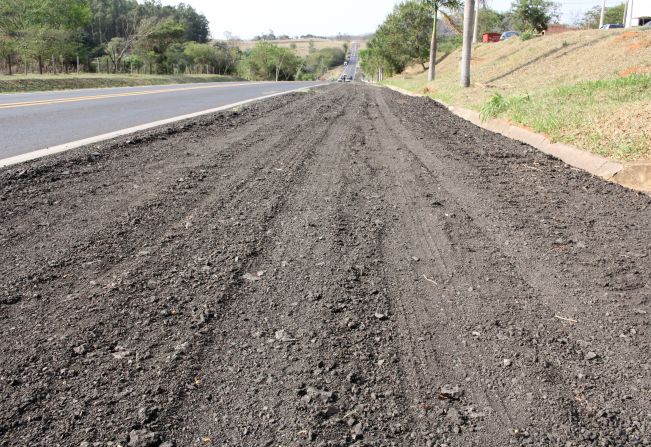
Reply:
x=267, y=61
x=614, y=14
x=197, y=27
x=156, y=40
x=134, y=32
x=43, y=43
x=435, y=6
x=409, y=31
x=318, y=62
x=376, y=57
x=41, y=29
x=534, y=14
x=111, y=18
x=7, y=51
x=490, y=21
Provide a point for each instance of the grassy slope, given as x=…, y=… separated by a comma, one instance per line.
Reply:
x=31, y=83
x=574, y=87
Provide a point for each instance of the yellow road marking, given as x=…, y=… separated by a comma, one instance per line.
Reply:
x=43, y=102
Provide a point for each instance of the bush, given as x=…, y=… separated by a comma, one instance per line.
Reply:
x=306, y=77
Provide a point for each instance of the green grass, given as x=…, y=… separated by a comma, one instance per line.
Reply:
x=568, y=114
x=33, y=83
x=498, y=104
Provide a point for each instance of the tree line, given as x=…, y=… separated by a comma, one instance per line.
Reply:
x=127, y=36
x=104, y=35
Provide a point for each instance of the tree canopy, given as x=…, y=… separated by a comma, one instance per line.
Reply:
x=62, y=30
x=407, y=35
x=536, y=15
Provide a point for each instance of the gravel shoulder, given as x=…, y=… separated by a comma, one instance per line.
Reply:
x=346, y=266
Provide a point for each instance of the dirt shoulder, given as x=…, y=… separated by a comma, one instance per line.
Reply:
x=347, y=266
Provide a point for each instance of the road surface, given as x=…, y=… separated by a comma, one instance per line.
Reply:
x=33, y=121
x=346, y=266
x=350, y=70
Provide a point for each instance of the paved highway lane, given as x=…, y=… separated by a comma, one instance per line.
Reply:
x=33, y=121
x=350, y=70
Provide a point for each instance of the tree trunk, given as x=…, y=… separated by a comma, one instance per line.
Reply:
x=466, y=53
x=40, y=65
x=475, y=32
x=9, y=64
x=431, y=74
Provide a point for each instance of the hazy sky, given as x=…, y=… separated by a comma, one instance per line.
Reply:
x=247, y=18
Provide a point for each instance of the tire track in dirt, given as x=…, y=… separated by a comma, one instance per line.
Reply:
x=431, y=316
x=580, y=418
x=328, y=389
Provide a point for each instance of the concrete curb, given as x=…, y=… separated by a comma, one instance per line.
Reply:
x=634, y=175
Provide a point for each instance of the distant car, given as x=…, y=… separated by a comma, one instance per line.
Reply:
x=508, y=34
x=345, y=63
x=611, y=26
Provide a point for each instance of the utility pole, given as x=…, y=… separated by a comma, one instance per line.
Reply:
x=468, y=14
x=603, y=13
x=629, y=15
x=475, y=34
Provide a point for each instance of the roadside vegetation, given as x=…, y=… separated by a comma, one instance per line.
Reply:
x=610, y=116
x=408, y=35
x=585, y=87
x=268, y=61
x=38, y=83
x=46, y=42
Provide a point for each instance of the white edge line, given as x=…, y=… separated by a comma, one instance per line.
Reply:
x=119, y=133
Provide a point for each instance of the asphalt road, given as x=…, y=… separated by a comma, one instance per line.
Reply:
x=33, y=121
x=351, y=68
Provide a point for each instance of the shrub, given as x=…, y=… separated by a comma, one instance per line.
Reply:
x=498, y=104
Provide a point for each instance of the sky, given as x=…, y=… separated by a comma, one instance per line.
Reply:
x=248, y=18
